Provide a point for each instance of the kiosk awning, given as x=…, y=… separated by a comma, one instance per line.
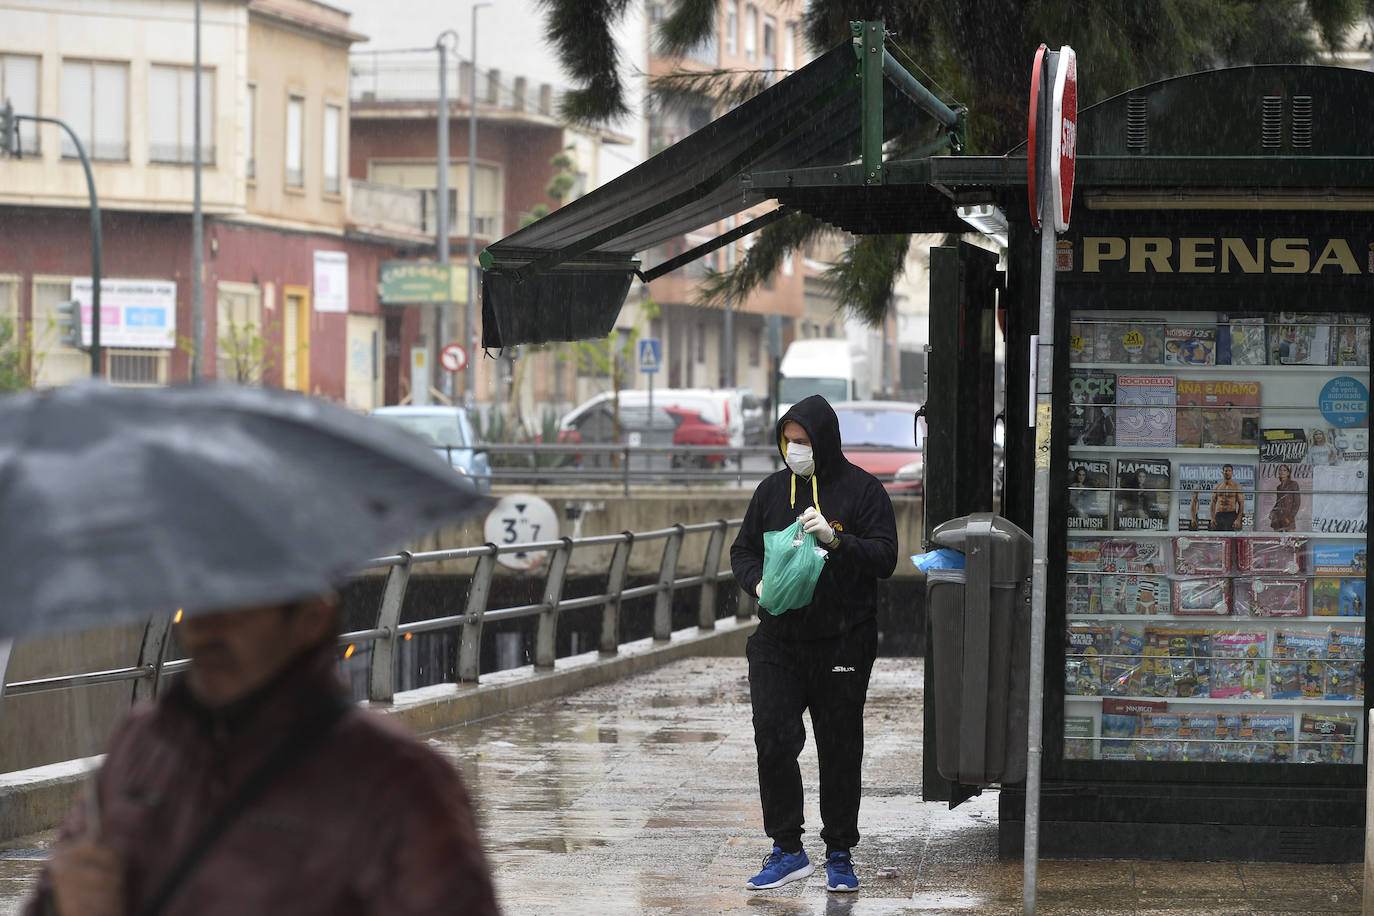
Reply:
x=565, y=276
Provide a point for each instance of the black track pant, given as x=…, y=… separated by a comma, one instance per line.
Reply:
x=830, y=678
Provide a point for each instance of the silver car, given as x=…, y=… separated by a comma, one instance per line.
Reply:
x=450, y=432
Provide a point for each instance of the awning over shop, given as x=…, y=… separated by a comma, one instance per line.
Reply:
x=566, y=276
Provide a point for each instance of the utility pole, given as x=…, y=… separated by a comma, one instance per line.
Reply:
x=197, y=235
x=441, y=202
x=469, y=327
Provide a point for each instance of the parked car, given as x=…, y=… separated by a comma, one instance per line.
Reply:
x=885, y=439
x=449, y=431
x=737, y=409
x=694, y=429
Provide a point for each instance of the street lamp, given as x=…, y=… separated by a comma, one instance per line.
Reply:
x=446, y=40
x=469, y=328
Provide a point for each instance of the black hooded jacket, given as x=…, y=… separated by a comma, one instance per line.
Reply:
x=856, y=506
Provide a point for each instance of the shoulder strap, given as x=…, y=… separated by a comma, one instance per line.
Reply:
x=292, y=749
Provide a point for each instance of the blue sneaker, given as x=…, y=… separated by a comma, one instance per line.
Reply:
x=839, y=872
x=781, y=867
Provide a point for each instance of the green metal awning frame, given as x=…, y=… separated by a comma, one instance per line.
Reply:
x=565, y=276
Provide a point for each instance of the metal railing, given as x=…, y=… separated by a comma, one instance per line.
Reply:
x=536, y=463
x=388, y=630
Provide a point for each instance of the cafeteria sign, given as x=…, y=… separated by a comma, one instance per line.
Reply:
x=417, y=282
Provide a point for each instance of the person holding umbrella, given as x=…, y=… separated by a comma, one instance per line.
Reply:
x=252, y=785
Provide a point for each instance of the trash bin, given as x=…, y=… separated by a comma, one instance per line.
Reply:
x=980, y=643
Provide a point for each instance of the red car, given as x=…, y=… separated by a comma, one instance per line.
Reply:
x=693, y=429
x=883, y=438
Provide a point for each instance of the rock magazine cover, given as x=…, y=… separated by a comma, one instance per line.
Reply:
x=1092, y=399
x=1145, y=410
x=1142, y=494
x=1090, y=486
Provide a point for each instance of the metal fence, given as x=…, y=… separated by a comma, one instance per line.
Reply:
x=389, y=631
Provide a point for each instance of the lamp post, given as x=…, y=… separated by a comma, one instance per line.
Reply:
x=441, y=44
x=197, y=230
x=469, y=328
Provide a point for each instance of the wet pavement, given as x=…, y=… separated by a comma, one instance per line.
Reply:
x=640, y=797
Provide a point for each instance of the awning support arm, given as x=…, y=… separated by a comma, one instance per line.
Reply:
x=719, y=241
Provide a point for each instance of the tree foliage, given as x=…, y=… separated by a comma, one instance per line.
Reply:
x=974, y=52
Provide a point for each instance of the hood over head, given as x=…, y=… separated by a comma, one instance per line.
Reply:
x=817, y=417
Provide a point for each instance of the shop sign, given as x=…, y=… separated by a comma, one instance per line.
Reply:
x=1344, y=401
x=420, y=282
x=1218, y=255
x=133, y=313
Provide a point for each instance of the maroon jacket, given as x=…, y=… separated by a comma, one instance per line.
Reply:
x=369, y=821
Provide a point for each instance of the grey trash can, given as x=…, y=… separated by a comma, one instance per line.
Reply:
x=980, y=643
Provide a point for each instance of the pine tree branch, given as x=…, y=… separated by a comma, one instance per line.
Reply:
x=863, y=279
x=772, y=244
x=582, y=33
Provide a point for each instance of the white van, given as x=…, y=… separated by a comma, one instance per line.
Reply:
x=828, y=366
x=737, y=409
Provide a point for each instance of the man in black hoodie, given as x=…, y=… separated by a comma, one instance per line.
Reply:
x=816, y=657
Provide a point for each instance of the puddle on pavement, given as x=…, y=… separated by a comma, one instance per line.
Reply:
x=560, y=844
x=683, y=736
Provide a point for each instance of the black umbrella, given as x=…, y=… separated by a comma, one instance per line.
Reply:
x=120, y=504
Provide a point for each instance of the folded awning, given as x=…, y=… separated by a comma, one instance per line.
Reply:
x=565, y=277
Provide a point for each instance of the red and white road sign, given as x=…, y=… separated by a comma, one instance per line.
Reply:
x=1032, y=163
x=1063, y=137
x=453, y=357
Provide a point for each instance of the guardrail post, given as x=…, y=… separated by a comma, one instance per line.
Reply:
x=710, y=572
x=625, y=468
x=667, y=573
x=381, y=677
x=747, y=607
x=615, y=584
x=470, y=640
x=150, y=654
x=546, y=630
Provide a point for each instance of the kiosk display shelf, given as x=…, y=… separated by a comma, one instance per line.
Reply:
x=1216, y=537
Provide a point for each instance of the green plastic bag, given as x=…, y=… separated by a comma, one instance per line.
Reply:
x=791, y=565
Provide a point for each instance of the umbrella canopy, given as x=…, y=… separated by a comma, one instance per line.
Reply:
x=120, y=504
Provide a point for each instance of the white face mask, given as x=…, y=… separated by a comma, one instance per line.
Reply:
x=799, y=459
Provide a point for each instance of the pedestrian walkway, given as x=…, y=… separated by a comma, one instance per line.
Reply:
x=640, y=797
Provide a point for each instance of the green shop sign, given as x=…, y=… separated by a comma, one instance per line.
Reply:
x=414, y=282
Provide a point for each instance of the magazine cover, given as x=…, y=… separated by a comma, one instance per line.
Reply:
x=1241, y=340
x=1133, y=594
x=1149, y=555
x=1272, y=596
x=1084, y=554
x=1185, y=671
x=1284, y=482
x=1145, y=410
x=1083, y=594
x=1207, y=597
x=1121, y=669
x=1142, y=494
x=1279, y=556
x=1216, y=496
x=1326, y=738
x=1266, y=737
x=1135, y=340
x=1340, y=498
x=1351, y=344
x=1238, y=664
x=1157, y=738
x=1202, y=556
x=1195, y=737
x=1190, y=346
x=1121, y=724
x=1352, y=444
x=1225, y=737
x=1188, y=417
x=1339, y=587
x=1301, y=339
x=1083, y=649
x=1295, y=666
x=1230, y=414
x=1090, y=483
x=1078, y=737
x=1343, y=674
x=1092, y=394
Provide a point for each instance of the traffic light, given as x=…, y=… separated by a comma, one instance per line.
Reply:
x=9, y=130
x=69, y=323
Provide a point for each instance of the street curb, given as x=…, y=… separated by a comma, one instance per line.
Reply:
x=37, y=799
